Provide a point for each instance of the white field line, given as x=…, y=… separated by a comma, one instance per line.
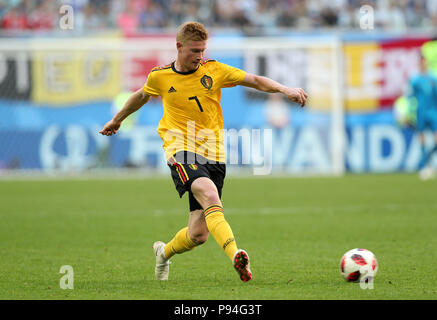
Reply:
x=331, y=210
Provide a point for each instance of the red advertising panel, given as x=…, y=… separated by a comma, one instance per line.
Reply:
x=399, y=60
x=138, y=63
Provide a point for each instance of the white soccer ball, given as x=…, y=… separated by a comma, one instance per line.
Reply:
x=358, y=264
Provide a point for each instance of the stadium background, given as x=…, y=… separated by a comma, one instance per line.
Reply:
x=53, y=103
x=89, y=207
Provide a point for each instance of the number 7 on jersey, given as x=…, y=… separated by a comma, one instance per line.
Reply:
x=197, y=101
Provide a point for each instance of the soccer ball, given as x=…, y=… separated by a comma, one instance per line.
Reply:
x=358, y=264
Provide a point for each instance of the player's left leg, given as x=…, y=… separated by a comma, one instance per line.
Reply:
x=434, y=129
x=435, y=140
x=422, y=142
x=206, y=193
x=430, y=170
x=431, y=152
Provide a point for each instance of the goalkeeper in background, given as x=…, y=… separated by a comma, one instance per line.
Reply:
x=423, y=89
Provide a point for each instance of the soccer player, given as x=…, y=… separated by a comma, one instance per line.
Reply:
x=191, y=129
x=423, y=87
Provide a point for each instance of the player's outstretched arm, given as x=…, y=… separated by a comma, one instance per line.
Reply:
x=268, y=85
x=135, y=102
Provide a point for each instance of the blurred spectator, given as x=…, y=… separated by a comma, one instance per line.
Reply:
x=264, y=15
x=287, y=14
x=153, y=17
x=346, y=17
x=89, y=18
x=140, y=15
x=15, y=18
x=43, y=16
x=328, y=17
x=431, y=9
x=305, y=15
x=129, y=19
x=176, y=12
x=225, y=12
x=389, y=15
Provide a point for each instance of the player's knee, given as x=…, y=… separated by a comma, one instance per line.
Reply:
x=211, y=197
x=205, y=192
x=199, y=237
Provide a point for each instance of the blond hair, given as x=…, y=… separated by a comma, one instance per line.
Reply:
x=194, y=31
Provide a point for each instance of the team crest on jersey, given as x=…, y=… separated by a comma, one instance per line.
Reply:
x=206, y=81
x=193, y=166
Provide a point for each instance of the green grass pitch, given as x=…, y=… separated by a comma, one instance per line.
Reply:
x=294, y=229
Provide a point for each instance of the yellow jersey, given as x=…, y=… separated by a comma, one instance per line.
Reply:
x=193, y=118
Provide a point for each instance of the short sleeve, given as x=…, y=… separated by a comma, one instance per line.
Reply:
x=231, y=76
x=151, y=87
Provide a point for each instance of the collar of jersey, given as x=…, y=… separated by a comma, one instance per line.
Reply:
x=180, y=72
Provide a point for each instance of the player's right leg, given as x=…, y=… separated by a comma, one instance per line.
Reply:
x=185, y=240
x=196, y=233
x=188, y=237
x=426, y=170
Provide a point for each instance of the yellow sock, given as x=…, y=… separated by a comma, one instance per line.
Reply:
x=179, y=244
x=220, y=229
